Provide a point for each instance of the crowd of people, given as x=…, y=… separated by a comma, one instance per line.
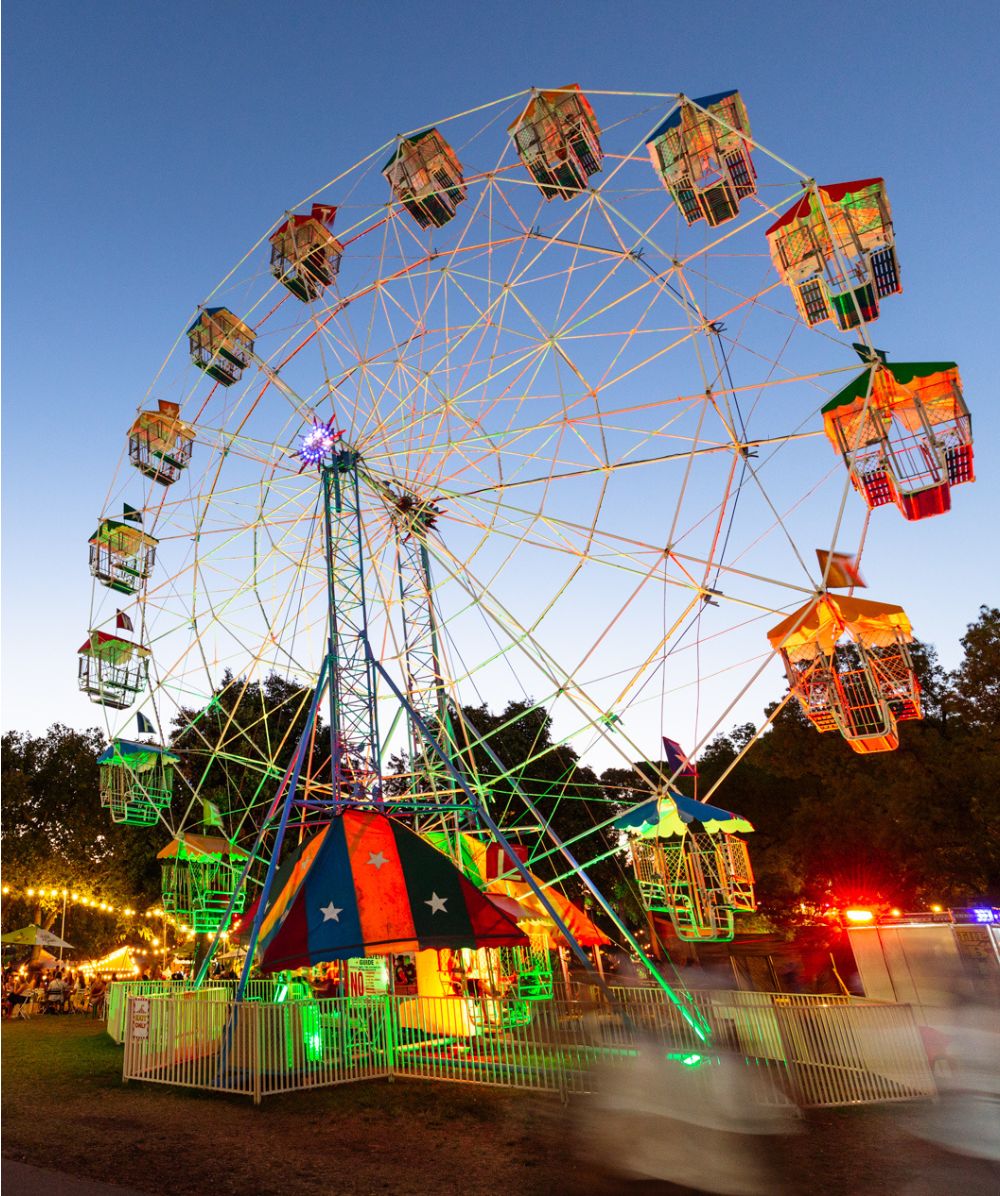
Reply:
x=52, y=990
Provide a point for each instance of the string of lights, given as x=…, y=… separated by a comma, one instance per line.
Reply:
x=59, y=894
x=72, y=897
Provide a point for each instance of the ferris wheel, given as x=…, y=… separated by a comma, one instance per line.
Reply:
x=552, y=399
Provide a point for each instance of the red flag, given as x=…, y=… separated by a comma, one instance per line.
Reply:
x=324, y=213
x=677, y=761
x=841, y=570
x=123, y=622
x=499, y=863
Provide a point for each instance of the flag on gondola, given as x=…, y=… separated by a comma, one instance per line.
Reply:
x=144, y=725
x=122, y=621
x=368, y=885
x=324, y=213
x=211, y=815
x=677, y=761
x=131, y=514
x=840, y=569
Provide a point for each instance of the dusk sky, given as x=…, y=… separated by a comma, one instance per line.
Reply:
x=149, y=147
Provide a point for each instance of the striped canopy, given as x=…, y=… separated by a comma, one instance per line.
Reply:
x=368, y=885
x=674, y=815
x=491, y=868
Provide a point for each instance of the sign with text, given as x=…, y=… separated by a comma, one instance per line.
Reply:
x=140, y=1017
x=367, y=977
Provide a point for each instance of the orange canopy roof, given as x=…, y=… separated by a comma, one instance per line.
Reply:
x=817, y=626
x=475, y=854
x=553, y=98
x=573, y=918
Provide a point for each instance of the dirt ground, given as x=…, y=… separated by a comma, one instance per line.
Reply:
x=64, y=1106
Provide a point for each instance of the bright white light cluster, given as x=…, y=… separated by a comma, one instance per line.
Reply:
x=318, y=443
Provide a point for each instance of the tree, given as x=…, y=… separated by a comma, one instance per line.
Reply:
x=567, y=795
x=235, y=750
x=906, y=827
x=975, y=684
x=55, y=833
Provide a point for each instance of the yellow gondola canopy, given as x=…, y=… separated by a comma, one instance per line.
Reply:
x=820, y=623
x=672, y=815
x=164, y=423
x=195, y=847
x=893, y=388
x=125, y=537
x=137, y=756
x=221, y=320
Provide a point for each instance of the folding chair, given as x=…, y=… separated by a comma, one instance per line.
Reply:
x=25, y=1008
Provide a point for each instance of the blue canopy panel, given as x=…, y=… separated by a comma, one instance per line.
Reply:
x=677, y=816
x=674, y=119
x=205, y=311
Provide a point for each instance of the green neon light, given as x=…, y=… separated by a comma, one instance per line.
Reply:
x=312, y=1033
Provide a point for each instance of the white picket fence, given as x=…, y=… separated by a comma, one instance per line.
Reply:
x=810, y=1051
x=120, y=990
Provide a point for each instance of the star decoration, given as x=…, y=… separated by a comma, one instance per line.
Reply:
x=438, y=904
x=376, y=861
x=330, y=913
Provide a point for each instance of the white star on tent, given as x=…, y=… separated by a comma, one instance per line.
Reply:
x=376, y=861
x=331, y=913
x=437, y=904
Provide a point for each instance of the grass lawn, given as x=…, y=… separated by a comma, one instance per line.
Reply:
x=65, y=1107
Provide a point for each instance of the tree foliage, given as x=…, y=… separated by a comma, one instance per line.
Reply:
x=55, y=833
x=235, y=750
x=908, y=827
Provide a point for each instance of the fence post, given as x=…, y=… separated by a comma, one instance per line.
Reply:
x=390, y=1036
x=255, y=1032
x=128, y=1039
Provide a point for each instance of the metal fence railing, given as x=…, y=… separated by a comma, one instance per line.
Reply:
x=258, y=989
x=117, y=996
x=843, y=1054
x=824, y=1050
x=807, y=1050
x=205, y=1040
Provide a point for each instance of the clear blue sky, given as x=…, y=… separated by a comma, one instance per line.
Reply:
x=148, y=145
